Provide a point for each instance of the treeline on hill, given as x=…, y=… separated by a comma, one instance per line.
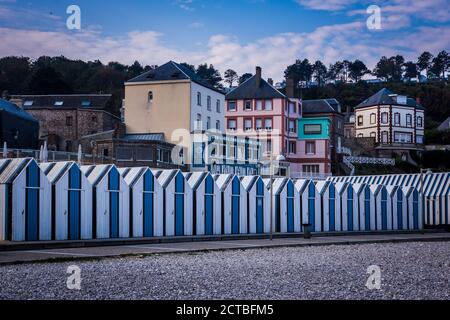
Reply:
x=341, y=80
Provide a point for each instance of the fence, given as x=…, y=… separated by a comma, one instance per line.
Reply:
x=169, y=203
x=367, y=160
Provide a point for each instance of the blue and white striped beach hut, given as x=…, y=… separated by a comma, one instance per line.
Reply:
x=71, y=201
x=25, y=201
x=146, y=202
x=111, y=202
x=258, y=199
x=305, y=195
x=287, y=210
x=414, y=208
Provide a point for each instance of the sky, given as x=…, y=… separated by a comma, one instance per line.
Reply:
x=236, y=34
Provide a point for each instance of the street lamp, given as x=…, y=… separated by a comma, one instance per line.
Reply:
x=278, y=158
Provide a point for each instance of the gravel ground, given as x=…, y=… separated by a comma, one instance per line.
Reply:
x=409, y=271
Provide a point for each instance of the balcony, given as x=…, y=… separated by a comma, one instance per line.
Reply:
x=400, y=146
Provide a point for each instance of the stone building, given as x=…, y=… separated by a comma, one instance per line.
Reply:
x=64, y=119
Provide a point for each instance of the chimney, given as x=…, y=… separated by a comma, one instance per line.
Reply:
x=290, y=88
x=258, y=77
x=270, y=81
x=418, y=100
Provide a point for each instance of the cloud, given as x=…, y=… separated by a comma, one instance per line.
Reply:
x=196, y=25
x=328, y=5
x=185, y=4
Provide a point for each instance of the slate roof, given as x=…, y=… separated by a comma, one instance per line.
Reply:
x=144, y=137
x=11, y=108
x=445, y=125
x=70, y=101
x=249, y=90
x=321, y=106
x=383, y=97
x=172, y=71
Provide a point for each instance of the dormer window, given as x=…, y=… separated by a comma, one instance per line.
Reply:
x=28, y=103
x=59, y=103
x=86, y=104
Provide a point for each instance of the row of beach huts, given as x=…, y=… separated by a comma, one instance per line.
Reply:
x=65, y=201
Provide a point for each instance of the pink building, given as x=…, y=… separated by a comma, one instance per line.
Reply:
x=258, y=110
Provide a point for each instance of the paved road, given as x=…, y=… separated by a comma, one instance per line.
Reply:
x=413, y=270
x=7, y=257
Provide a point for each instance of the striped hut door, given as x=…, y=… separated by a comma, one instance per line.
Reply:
x=179, y=205
x=384, y=199
x=74, y=203
x=350, y=207
x=114, y=190
x=367, y=207
x=148, y=205
x=32, y=202
x=260, y=206
x=209, y=205
x=415, y=209
x=235, y=205
x=290, y=207
x=400, y=209
x=332, y=207
x=312, y=205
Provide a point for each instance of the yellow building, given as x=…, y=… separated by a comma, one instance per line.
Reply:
x=172, y=97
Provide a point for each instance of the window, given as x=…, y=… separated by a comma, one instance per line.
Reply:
x=208, y=103
x=268, y=105
x=94, y=119
x=348, y=133
x=360, y=120
x=292, y=126
x=311, y=168
x=339, y=124
x=259, y=105
x=259, y=124
x=373, y=118
x=419, y=121
x=384, y=118
x=198, y=122
x=69, y=121
x=419, y=139
x=28, y=103
x=231, y=124
x=268, y=124
x=384, y=137
x=208, y=123
x=409, y=120
x=360, y=135
x=59, y=103
x=218, y=125
x=248, y=105
x=310, y=147
x=269, y=146
x=403, y=137
x=292, y=147
x=248, y=124
x=373, y=135
x=231, y=105
x=218, y=106
x=292, y=107
x=397, y=119
x=312, y=128
x=86, y=104
x=105, y=152
x=199, y=99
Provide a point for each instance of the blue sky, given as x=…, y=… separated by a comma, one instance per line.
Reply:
x=236, y=34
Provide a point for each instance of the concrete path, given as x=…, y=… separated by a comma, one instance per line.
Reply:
x=19, y=253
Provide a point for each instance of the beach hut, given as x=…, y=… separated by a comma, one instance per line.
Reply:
x=287, y=214
x=358, y=206
x=71, y=201
x=302, y=193
x=325, y=206
x=177, y=196
x=234, y=204
x=258, y=203
x=146, y=202
x=341, y=206
x=25, y=201
x=206, y=210
x=414, y=208
x=367, y=209
x=110, y=194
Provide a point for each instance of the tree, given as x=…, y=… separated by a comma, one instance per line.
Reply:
x=14, y=72
x=397, y=63
x=301, y=70
x=319, y=72
x=46, y=80
x=189, y=66
x=210, y=74
x=440, y=64
x=244, y=78
x=411, y=70
x=335, y=71
x=230, y=77
x=424, y=62
x=383, y=69
x=134, y=70
x=357, y=70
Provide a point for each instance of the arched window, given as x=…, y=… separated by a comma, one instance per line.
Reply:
x=150, y=98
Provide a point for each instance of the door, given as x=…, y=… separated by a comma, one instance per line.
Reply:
x=179, y=205
x=312, y=205
x=148, y=204
x=74, y=202
x=235, y=198
x=260, y=206
x=332, y=207
x=32, y=202
x=114, y=189
x=290, y=207
x=384, y=209
x=209, y=204
x=350, y=208
x=367, y=207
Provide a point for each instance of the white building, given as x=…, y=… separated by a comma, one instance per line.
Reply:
x=396, y=122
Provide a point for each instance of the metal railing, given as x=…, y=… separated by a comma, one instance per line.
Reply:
x=349, y=165
x=368, y=160
x=310, y=175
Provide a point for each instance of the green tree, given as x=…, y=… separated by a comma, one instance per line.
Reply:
x=411, y=70
x=383, y=69
x=357, y=70
x=230, y=77
x=440, y=64
x=210, y=74
x=424, y=62
x=319, y=72
x=244, y=78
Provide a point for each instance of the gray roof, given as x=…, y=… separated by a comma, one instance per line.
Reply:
x=15, y=110
x=172, y=71
x=444, y=125
x=249, y=90
x=384, y=97
x=70, y=101
x=145, y=137
x=321, y=106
